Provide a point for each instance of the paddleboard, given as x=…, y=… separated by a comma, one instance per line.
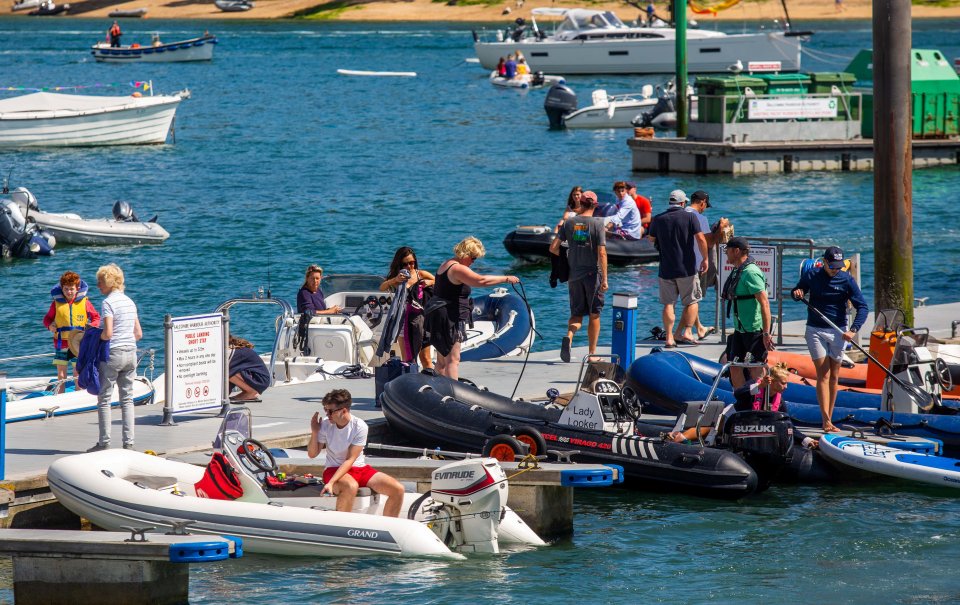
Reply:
x=399, y=74
x=890, y=461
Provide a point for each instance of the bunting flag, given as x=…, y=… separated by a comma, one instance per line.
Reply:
x=145, y=85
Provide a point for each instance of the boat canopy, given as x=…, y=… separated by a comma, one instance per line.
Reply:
x=43, y=104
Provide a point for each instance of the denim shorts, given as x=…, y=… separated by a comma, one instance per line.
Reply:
x=824, y=342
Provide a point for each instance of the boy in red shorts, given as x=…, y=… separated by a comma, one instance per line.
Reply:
x=344, y=436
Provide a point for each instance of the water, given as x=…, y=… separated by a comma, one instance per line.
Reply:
x=279, y=163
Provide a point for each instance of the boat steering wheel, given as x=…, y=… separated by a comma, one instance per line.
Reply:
x=257, y=456
x=371, y=310
x=944, y=377
x=631, y=402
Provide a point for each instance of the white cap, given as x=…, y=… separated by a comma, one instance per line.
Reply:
x=678, y=197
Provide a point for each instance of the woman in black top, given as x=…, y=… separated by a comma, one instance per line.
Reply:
x=447, y=324
x=405, y=268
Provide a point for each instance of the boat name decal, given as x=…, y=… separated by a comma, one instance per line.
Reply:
x=754, y=428
x=588, y=412
x=951, y=480
x=362, y=533
x=576, y=441
x=440, y=475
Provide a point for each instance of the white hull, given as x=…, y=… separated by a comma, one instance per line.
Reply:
x=645, y=56
x=892, y=462
x=22, y=406
x=144, y=120
x=197, y=49
x=73, y=229
x=615, y=115
x=524, y=82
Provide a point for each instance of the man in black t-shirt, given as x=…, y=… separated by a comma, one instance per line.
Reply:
x=675, y=233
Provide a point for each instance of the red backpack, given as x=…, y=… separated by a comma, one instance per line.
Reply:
x=220, y=481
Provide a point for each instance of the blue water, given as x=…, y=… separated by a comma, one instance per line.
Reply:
x=279, y=163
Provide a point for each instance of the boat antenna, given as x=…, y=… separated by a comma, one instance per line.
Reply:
x=786, y=14
x=268, y=279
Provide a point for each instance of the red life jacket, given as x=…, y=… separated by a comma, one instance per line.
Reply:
x=220, y=481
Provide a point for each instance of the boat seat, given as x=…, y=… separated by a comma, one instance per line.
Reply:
x=707, y=413
x=152, y=481
x=600, y=98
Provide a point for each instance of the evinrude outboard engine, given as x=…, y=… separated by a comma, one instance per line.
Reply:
x=560, y=101
x=469, y=500
x=123, y=212
x=662, y=115
x=763, y=439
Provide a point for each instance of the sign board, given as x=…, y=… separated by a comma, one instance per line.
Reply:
x=765, y=258
x=757, y=66
x=791, y=108
x=196, y=354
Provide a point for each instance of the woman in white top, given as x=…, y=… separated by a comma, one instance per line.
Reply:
x=121, y=327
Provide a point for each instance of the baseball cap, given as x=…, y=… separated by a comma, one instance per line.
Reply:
x=631, y=185
x=678, y=197
x=833, y=256
x=588, y=196
x=739, y=242
x=700, y=195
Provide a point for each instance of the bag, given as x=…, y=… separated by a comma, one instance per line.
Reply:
x=220, y=481
x=300, y=342
x=393, y=368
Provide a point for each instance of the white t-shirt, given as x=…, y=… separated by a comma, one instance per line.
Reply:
x=339, y=440
x=124, y=313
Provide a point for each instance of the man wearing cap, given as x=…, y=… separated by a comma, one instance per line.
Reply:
x=625, y=222
x=675, y=233
x=746, y=292
x=587, y=257
x=830, y=290
x=643, y=204
x=699, y=202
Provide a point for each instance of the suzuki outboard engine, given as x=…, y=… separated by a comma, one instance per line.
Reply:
x=123, y=212
x=763, y=439
x=560, y=101
x=469, y=500
x=662, y=115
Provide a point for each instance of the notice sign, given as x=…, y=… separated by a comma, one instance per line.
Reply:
x=791, y=108
x=196, y=357
x=765, y=257
x=758, y=66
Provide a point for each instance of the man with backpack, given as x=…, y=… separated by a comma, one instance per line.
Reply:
x=746, y=292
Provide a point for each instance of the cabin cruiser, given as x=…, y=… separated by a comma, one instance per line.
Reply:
x=240, y=494
x=598, y=42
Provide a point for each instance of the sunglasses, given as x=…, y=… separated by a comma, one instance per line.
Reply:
x=410, y=263
x=329, y=412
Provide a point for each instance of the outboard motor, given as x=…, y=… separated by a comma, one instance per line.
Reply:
x=763, y=439
x=469, y=500
x=20, y=237
x=662, y=115
x=560, y=101
x=25, y=199
x=123, y=212
x=537, y=79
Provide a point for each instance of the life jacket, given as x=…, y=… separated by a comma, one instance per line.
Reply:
x=69, y=316
x=758, y=400
x=220, y=481
x=114, y=30
x=728, y=293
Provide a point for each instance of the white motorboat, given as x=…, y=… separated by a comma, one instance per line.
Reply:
x=36, y=397
x=611, y=111
x=117, y=488
x=598, y=42
x=127, y=13
x=25, y=4
x=47, y=119
x=526, y=81
x=233, y=6
x=194, y=49
x=123, y=229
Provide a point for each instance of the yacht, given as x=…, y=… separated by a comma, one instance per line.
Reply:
x=598, y=42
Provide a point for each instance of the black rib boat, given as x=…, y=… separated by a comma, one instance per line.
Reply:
x=532, y=244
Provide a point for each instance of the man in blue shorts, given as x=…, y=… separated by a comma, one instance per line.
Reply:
x=587, y=257
x=344, y=435
x=830, y=289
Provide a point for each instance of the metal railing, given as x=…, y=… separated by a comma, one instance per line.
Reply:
x=851, y=102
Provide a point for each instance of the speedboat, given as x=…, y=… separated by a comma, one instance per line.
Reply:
x=48, y=119
x=123, y=229
x=20, y=238
x=25, y=4
x=526, y=81
x=45, y=9
x=606, y=111
x=240, y=494
x=194, y=49
x=597, y=42
x=595, y=423
x=531, y=243
x=233, y=6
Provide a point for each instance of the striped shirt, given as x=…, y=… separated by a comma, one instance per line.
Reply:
x=124, y=313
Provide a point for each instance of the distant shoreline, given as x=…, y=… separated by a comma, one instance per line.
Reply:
x=427, y=10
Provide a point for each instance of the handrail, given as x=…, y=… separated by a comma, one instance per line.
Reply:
x=286, y=312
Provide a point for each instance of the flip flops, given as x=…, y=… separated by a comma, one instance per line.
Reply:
x=710, y=330
x=237, y=400
x=686, y=341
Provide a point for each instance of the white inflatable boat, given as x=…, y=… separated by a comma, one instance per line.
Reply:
x=123, y=229
x=465, y=512
x=30, y=398
x=526, y=81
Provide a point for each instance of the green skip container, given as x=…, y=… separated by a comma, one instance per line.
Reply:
x=720, y=96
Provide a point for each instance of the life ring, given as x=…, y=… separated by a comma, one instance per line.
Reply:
x=531, y=437
x=504, y=448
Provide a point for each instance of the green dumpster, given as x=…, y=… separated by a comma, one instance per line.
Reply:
x=720, y=96
x=786, y=84
x=824, y=81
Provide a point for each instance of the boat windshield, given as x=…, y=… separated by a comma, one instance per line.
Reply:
x=331, y=284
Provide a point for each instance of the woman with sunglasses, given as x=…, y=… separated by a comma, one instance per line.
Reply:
x=447, y=323
x=573, y=202
x=404, y=268
x=310, y=297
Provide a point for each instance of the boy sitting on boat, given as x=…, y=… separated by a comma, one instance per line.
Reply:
x=344, y=436
x=69, y=313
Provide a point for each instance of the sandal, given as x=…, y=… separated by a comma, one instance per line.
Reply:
x=708, y=332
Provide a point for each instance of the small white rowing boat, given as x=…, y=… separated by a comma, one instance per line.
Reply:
x=525, y=81
x=386, y=74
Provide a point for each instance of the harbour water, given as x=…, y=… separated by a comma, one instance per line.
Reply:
x=279, y=163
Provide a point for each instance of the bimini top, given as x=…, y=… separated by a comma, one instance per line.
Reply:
x=587, y=24
x=50, y=104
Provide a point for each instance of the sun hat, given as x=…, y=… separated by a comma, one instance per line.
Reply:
x=73, y=341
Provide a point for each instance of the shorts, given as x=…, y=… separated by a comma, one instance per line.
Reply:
x=63, y=357
x=687, y=288
x=824, y=342
x=362, y=474
x=742, y=343
x=585, y=296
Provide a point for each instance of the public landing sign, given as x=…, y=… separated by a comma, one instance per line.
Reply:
x=196, y=355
